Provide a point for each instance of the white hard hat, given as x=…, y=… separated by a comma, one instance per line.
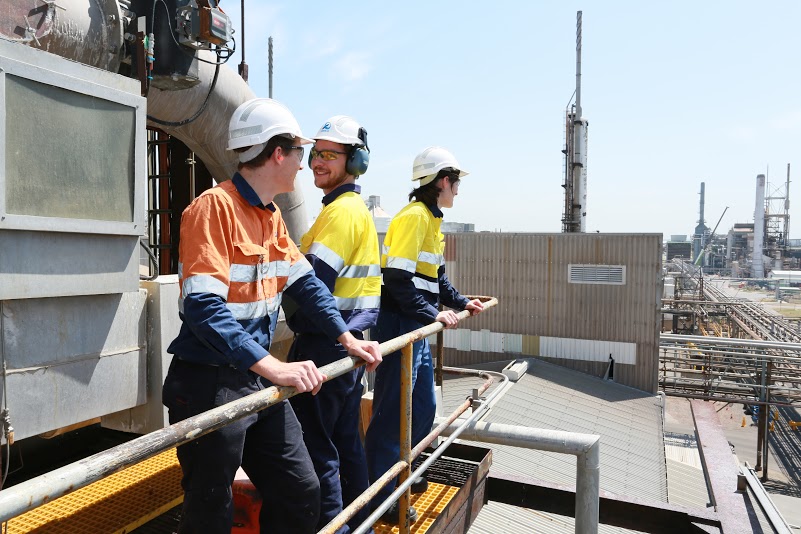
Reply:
x=432, y=160
x=257, y=121
x=340, y=129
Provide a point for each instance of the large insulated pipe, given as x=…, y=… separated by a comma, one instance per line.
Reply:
x=207, y=136
x=757, y=265
x=91, y=32
x=86, y=31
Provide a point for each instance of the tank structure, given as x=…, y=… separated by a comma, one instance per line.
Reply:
x=79, y=91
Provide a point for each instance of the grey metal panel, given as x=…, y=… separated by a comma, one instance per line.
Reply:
x=529, y=275
x=72, y=359
x=50, y=69
x=53, y=264
x=163, y=325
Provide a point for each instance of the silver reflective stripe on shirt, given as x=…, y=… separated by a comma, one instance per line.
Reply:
x=331, y=258
x=251, y=273
x=203, y=283
x=404, y=264
x=254, y=310
x=360, y=271
x=300, y=268
x=430, y=257
x=431, y=287
x=358, y=303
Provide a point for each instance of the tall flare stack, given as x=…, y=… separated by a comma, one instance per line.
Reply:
x=574, y=217
x=757, y=264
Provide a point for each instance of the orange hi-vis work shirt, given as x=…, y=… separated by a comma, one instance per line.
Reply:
x=236, y=262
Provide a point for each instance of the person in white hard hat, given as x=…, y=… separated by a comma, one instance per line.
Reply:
x=413, y=269
x=236, y=262
x=342, y=246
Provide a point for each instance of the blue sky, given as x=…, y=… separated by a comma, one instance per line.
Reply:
x=675, y=93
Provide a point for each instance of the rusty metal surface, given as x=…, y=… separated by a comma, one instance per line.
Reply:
x=407, y=363
x=720, y=469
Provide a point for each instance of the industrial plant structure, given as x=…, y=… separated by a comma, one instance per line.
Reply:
x=120, y=103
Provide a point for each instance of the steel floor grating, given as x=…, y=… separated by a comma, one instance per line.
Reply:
x=115, y=504
x=429, y=506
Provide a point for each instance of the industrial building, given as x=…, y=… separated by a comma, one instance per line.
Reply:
x=554, y=410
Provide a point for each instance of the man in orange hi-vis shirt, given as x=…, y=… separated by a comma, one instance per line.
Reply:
x=236, y=261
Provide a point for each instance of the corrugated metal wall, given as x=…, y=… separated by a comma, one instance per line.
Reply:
x=529, y=275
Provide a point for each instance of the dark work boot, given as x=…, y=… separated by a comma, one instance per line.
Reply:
x=420, y=485
x=392, y=516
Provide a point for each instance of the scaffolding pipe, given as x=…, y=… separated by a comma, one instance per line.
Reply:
x=366, y=497
x=443, y=426
x=586, y=448
x=45, y=488
x=407, y=363
x=752, y=343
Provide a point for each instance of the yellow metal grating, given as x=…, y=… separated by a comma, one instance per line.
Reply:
x=114, y=505
x=428, y=505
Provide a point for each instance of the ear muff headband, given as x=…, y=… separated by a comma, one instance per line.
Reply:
x=359, y=157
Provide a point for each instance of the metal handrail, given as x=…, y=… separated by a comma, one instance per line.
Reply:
x=59, y=482
x=405, y=485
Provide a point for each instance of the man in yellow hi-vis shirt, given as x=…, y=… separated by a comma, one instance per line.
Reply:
x=413, y=269
x=342, y=246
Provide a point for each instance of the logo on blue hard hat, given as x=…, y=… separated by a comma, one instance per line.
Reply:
x=326, y=127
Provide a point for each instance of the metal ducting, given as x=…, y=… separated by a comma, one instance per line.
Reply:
x=86, y=31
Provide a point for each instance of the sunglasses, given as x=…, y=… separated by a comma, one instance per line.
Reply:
x=325, y=155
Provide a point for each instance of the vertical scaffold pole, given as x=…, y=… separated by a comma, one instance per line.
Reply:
x=405, y=434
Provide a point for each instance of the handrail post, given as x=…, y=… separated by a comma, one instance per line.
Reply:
x=441, y=355
x=588, y=479
x=405, y=434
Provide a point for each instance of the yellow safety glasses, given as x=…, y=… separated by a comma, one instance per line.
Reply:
x=325, y=155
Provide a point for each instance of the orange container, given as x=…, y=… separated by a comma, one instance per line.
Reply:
x=247, y=505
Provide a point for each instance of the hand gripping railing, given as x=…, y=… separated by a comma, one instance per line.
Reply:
x=45, y=488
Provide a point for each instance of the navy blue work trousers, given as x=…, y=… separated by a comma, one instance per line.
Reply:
x=330, y=422
x=268, y=445
x=383, y=435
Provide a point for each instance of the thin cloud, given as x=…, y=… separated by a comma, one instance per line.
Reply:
x=353, y=66
x=789, y=121
x=317, y=47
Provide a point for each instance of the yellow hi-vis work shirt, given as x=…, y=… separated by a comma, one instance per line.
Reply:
x=413, y=265
x=342, y=246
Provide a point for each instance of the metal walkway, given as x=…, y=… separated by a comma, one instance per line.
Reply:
x=116, y=504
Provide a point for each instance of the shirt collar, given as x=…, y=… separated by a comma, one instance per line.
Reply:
x=248, y=193
x=344, y=188
x=435, y=211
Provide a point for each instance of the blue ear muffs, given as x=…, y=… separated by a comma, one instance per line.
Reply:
x=359, y=157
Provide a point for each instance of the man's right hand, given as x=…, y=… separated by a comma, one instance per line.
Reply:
x=303, y=376
x=448, y=318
